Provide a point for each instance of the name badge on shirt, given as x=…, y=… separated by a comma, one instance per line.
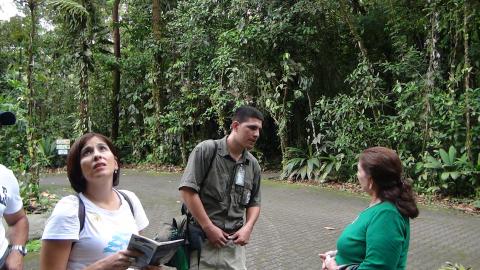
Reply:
x=240, y=176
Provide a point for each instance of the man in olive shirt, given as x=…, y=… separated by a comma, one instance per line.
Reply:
x=219, y=186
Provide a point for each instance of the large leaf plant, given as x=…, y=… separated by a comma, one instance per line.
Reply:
x=308, y=165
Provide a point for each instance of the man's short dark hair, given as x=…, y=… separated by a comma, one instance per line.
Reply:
x=74, y=169
x=244, y=112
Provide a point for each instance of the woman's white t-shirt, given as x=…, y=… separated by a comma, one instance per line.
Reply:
x=105, y=232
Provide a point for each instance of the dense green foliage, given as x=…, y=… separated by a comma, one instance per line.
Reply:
x=332, y=77
x=34, y=245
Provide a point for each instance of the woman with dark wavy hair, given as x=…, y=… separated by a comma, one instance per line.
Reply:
x=110, y=216
x=379, y=237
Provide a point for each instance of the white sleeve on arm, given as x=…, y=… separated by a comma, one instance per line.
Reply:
x=140, y=216
x=14, y=203
x=63, y=224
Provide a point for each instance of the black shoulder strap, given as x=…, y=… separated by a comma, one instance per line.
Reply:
x=211, y=162
x=185, y=211
x=128, y=201
x=81, y=213
x=81, y=209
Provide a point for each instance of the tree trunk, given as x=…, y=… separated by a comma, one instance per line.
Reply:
x=183, y=149
x=160, y=94
x=157, y=59
x=353, y=30
x=283, y=119
x=311, y=119
x=281, y=133
x=467, y=69
x=31, y=7
x=31, y=138
x=283, y=145
x=431, y=73
x=156, y=19
x=116, y=72
x=86, y=63
x=344, y=10
x=84, y=114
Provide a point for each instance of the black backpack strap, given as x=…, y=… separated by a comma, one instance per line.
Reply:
x=189, y=215
x=125, y=196
x=211, y=163
x=184, y=209
x=81, y=209
x=81, y=213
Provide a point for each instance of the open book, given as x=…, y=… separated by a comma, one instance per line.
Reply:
x=154, y=253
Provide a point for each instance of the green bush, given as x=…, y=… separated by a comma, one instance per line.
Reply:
x=449, y=173
x=307, y=165
x=34, y=245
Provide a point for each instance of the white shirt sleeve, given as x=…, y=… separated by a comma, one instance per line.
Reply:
x=14, y=203
x=140, y=216
x=63, y=224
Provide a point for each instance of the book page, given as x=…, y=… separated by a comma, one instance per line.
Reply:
x=154, y=253
x=165, y=252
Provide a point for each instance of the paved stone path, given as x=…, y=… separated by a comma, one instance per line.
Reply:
x=291, y=230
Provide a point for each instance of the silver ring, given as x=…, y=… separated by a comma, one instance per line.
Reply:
x=131, y=259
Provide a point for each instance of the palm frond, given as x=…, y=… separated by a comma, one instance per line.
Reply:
x=73, y=13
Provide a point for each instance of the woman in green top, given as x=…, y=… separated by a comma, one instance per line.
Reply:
x=379, y=237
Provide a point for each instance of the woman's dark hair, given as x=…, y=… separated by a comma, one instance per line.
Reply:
x=385, y=168
x=74, y=170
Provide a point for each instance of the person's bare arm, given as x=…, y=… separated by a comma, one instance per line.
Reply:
x=242, y=236
x=54, y=254
x=17, y=235
x=214, y=234
x=252, y=216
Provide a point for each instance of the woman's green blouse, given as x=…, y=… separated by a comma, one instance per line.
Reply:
x=377, y=239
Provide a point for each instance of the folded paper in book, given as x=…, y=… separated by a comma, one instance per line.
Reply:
x=154, y=253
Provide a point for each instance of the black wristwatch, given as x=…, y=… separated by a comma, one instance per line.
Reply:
x=19, y=248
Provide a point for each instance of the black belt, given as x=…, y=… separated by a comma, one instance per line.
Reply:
x=231, y=231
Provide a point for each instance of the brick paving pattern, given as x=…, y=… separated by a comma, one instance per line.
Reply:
x=296, y=224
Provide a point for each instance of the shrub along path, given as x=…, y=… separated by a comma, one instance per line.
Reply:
x=297, y=222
